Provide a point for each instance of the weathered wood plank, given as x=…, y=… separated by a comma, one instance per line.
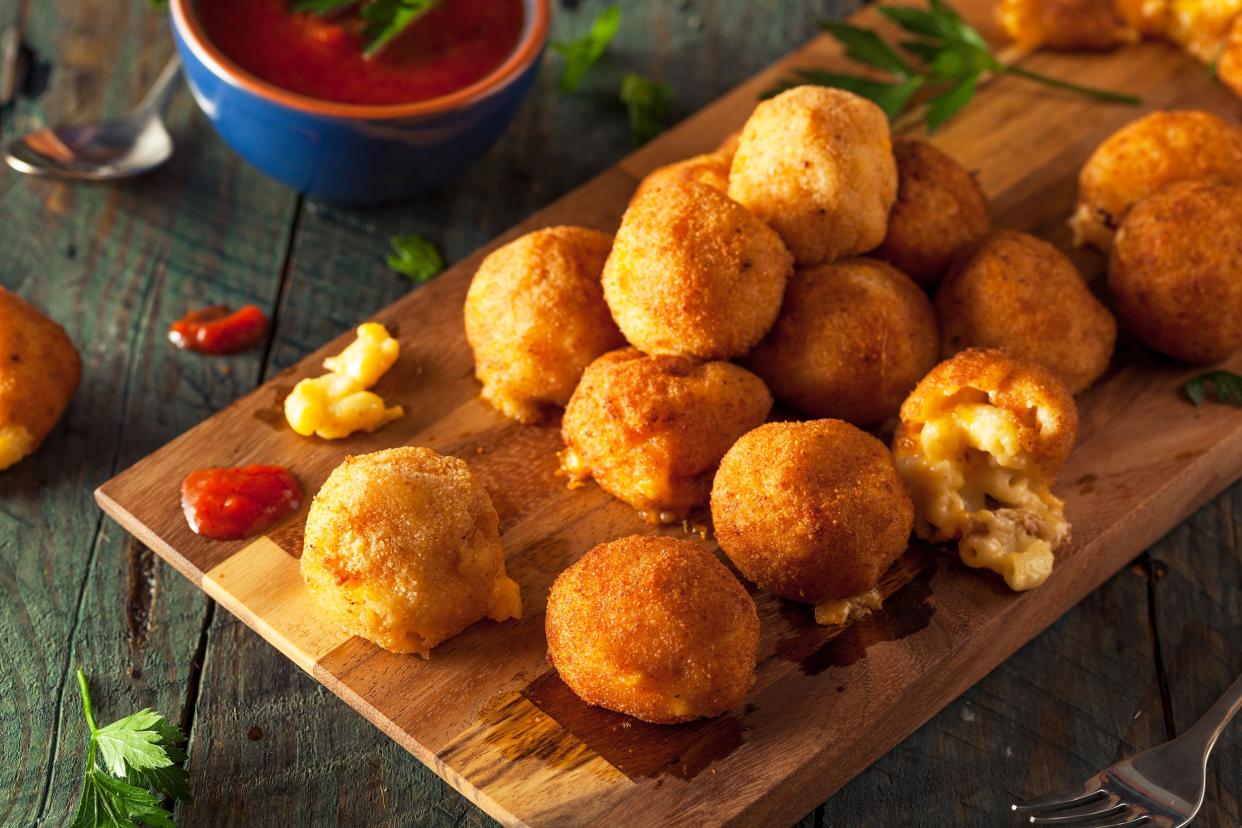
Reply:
x=1198, y=616
x=115, y=265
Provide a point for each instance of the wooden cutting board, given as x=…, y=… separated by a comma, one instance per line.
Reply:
x=488, y=714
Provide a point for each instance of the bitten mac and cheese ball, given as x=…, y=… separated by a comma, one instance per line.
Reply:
x=852, y=340
x=1146, y=156
x=402, y=548
x=693, y=273
x=535, y=318
x=817, y=165
x=39, y=373
x=1176, y=271
x=651, y=430
x=812, y=511
x=981, y=440
x=656, y=628
x=1021, y=294
x=939, y=212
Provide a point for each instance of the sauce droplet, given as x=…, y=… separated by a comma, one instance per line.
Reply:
x=235, y=503
x=216, y=330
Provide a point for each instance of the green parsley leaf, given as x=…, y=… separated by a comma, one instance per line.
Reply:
x=415, y=257
x=1223, y=386
x=385, y=19
x=322, y=7
x=585, y=52
x=866, y=47
x=648, y=105
x=953, y=57
x=138, y=755
x=132, y=741
x=158, y=4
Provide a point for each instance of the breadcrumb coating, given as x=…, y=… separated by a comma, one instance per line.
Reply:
x=811, y=511
x=651, y=430
x=536, y=317
x=402, y=548
x=653, y=627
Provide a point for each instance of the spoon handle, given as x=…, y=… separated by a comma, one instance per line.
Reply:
x=165, y=86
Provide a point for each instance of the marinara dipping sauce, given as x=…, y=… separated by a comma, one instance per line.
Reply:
x=456, y=44
x=235, y=503
x=217, y=330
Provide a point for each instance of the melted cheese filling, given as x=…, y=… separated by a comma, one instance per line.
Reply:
x=15, y=443
x=971, y=482
x=337, y=404
x=843, y=610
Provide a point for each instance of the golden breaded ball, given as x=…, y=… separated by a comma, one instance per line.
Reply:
x=656, y=628
x=980, y=442
x=1065, y=24
x=817, y=164
x=1021, y=294
x=535, y=318
x=651, y=430
x=1176, y=271
x=710, y=169
x=1229, y=65
x=1201, y=27
x=402, y=549
x=852, y=339
x=39, y=373
x=812, y=511
x=939, y=212
x=1144, y=157
x=694, y=273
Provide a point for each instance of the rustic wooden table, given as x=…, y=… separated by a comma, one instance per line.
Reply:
x=1134, y=663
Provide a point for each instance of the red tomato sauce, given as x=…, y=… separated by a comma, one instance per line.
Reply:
x=456, y=44
x=217, y=331
x=235, y=503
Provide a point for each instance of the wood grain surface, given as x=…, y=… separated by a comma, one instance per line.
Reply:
x=270, y=746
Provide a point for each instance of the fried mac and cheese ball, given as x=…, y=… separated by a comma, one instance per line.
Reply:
x=39, y=373
x=1176, y=271
x=651, y=430
x=402, y=548
x=656, y=628
x=710, y=169
x=852, y=340
x=1146, y=156
x=939, y=211
x=1065, y=24
x=692, y=272
x=535, y=318
x=1229, y=64
x=1021, y=294
x=812, y=511
x=817, y=165
x=981, y=440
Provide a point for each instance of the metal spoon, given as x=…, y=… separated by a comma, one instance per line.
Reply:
x=105, y=150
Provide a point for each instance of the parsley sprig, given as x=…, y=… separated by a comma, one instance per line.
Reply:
x=131, y=765
x=382, y=20
x=1222, y=386
x=944, y=56
x=414, y=256
x=584, y=52
x=648, y=105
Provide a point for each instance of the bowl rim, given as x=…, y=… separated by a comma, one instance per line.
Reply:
x=534, y=36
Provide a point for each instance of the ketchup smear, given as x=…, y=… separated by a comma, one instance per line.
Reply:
x=456, y=44
x=235, y=503
x=217, y=331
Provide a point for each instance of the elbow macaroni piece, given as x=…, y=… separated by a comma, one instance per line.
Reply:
x=337, y=404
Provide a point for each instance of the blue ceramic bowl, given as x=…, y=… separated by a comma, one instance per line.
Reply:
x=350, y=153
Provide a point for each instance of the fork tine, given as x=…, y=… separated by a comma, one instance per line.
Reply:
x=1107, y=811
x=1088, y=792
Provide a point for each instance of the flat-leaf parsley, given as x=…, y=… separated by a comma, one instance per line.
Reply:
x=584, y=52
x=414, y=256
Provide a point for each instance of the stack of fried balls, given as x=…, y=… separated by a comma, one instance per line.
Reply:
x=853, y=284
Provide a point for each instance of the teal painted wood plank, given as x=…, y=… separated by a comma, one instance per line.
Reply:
x=115, y=265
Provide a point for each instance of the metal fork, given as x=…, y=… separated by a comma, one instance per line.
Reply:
x=1162, y=787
